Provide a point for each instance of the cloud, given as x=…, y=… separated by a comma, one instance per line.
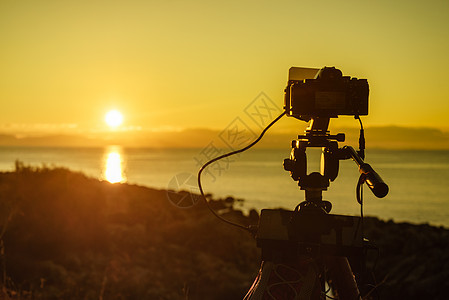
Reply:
x=38, y=128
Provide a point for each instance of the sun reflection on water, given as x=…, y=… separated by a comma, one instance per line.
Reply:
x=113, y=165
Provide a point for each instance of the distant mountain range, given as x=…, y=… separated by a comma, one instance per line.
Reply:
x=388, y=137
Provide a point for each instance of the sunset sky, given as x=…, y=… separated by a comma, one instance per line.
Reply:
x=172, y=65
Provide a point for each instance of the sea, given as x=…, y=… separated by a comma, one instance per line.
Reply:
x=418, y=179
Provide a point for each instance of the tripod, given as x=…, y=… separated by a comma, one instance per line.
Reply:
x=305, y=252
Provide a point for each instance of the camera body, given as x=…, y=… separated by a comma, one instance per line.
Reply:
x=329, y=94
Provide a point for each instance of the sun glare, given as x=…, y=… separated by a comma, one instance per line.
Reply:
x=113, y=165
x=113, y=118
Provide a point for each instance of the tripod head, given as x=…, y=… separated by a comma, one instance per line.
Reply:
x=317, y=135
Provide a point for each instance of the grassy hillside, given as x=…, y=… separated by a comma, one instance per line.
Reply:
x=66, y=236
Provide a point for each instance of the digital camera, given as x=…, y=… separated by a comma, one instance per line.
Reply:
x=327, y=94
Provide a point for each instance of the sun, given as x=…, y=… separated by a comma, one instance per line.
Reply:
x=113, y=118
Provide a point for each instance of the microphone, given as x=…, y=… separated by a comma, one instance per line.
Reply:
x=374, y=181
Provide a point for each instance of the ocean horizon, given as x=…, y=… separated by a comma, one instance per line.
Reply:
x=418, y=179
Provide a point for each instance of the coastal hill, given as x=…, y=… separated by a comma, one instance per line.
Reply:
x=385, y=137
x=64, y=235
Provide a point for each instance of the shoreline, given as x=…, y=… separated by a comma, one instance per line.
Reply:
x=417, y=179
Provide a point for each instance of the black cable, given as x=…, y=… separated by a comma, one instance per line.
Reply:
x=359, y=189
x=362, y=178
x=361, y=151
x=226, y=155
x=359, y=196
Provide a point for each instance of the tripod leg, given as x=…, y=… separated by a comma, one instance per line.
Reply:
x=341, y=274
x=291, y=280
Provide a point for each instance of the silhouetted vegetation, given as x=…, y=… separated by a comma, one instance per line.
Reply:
x=66, y=236
x=413, y=260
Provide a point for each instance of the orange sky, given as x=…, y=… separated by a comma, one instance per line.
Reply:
x=198, y=64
